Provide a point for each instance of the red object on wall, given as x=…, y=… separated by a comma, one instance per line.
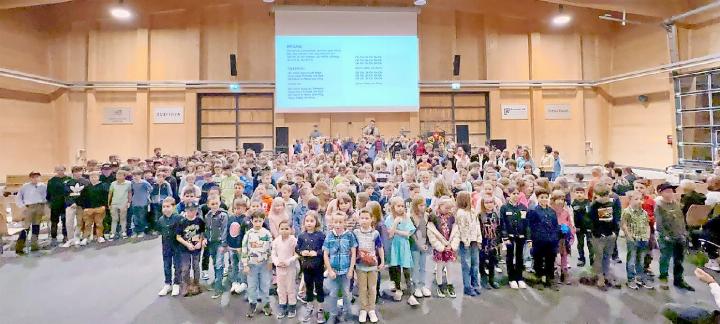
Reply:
x=669, y=140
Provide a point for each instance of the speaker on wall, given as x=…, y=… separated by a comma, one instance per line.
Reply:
x=233, y=65
x=281, y=140
x=256, y=147
x=462, y=134
x=456, y=65
x=499, y=144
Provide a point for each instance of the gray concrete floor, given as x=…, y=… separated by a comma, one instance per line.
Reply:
x=118, y=283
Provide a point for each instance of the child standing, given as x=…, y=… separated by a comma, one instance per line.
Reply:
x=567, y=229
x=419, y=245
x=470, y=237
x=635, y=224
x=339, y=254
x=256, y=249
x=215, y=226
x=283, y=257
x=672, y=235
x=189, y=232
x=583, y=225
x=400, y=228
x=276, y=216
x=232, y=239
x=371, y=260
x=489, y=222
x=443, y=236
x=119, y=198
x=309, y=247
x=513, y=226
x=141, y=190
x=167, y=225
x=605, y=223
x=545, y=230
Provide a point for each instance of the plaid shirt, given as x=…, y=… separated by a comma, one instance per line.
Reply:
x=637, y=222
x=339, y=248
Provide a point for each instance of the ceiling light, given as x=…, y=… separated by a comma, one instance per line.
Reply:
x=120, y=11
x=561, y=18
x=420, y=2
x=268, y=1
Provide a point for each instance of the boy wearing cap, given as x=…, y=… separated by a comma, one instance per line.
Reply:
x=189, y=233
x=31, y=198
x=605, y=218
x=672, y=235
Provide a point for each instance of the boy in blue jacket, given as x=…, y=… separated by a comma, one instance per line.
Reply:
x=545, y=232
x=513, y=226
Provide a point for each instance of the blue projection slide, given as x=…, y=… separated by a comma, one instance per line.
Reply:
x=346, y=73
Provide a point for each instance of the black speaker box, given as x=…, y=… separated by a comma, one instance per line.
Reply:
x=233, y=65
x=456, y=65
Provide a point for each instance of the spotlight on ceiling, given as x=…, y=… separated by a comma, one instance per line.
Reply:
x=420, y=2
x=561, y=18
x=120, y=11
x=268, y=1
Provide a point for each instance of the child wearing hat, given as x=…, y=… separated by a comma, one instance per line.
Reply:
x=672, y=235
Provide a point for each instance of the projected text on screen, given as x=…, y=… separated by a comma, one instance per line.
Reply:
x=346, y=73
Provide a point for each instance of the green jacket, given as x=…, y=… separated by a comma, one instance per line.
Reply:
x=669, y=221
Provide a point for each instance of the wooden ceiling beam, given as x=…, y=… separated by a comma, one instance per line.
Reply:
x=11, y=4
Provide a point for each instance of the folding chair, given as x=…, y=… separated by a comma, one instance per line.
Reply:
x=697, y=215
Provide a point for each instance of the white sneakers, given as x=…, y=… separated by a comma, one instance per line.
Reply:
x=101, y=240
x=205, y=275
x=412, y=301
x=418, y=293
x=521, y=284
x=426, y=292
x=238, y=288
x=514, y=285
x=373, y=317
x=498, y=269
x=84, y=242
x=165, y=290
x=69, y=243
x=362, y=316
x=175, y=290
x=398, y=295
x=241, y=288
x=712, y=265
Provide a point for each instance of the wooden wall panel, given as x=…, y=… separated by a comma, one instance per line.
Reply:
x=436, y=31
x=172, y=138
x=118, y=55
x=470, y=41
x=174, y=47
x=217, y=41
x=556, y=56
x=103, y=140
x=24, y=43
x=28, y=137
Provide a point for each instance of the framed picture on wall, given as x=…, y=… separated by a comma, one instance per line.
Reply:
x=117, y=115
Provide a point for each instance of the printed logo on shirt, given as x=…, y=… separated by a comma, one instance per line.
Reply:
x=523, y=214
x=605, y=214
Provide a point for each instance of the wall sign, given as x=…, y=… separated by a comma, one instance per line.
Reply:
x=514, y=111
x=118, y=115
x=557, y=111
x=168, y=115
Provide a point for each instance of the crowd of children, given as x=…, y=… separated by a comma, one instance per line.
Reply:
x=319, y=222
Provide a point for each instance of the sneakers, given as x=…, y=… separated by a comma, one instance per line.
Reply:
x=494, y=285
x=205, y=275
x=441, y=291
x=267, y=310
x=514, y=285
x=469, y=292
x=633, y=284
x=308, y=314
x=68, y=243
x=451, y=291
x=175, y=290
x=292, y=311
x=124, y=236
x=302, y=298
x=645, y=285
x=362, y=316
x=521, y=284
x=165, y=290
x=282, y=311
x=101, y=240
x=397, y=296
x=683, y=285
x=373, y=317
x=234, y=287
x=216, y=295
x=241, y=288
x=252, y=310
x=498, y=270
x=320, y=314
x=418, y=293
x=412, y=301
x=426, y=292
x=712, y=265
x=83, y=242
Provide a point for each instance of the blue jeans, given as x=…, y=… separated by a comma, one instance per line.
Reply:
x=236, y=268
x=155, y=214
x=171, y=259
x=470, y=265
x=258, y=281
x=418, y=270
x=636, y=251
x=138, y=214
x=218, y=262
x=333, y=286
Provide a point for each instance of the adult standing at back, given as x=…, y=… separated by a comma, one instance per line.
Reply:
x=546, y=163
x=371, y=129
x=31, y=199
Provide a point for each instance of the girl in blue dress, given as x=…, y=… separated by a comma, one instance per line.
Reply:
x=400, y=228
